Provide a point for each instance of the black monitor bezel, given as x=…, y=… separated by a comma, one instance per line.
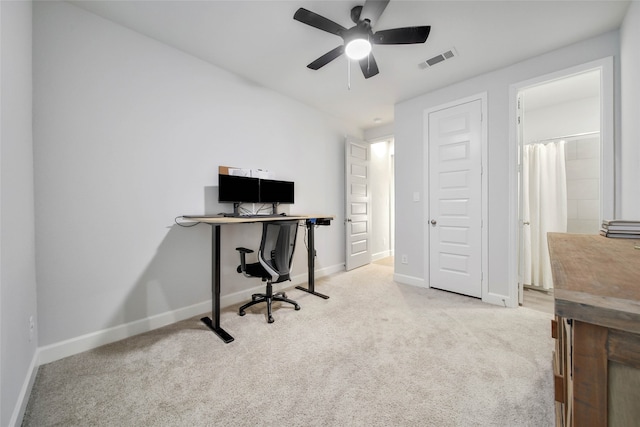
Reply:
x=283, y=193
x=227, y=194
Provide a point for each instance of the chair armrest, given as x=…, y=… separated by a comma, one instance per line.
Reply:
x=242, y=268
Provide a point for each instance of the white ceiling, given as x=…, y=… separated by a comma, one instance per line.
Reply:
x=260, y=41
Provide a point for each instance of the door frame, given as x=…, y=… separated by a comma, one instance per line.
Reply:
x=484, y=245
x=607, y=160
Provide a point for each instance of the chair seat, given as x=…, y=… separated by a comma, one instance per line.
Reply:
x=256, y=270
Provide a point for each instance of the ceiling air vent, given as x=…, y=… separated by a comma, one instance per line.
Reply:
x=449, y=54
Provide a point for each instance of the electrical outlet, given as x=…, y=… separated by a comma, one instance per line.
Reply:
x=405, y=259
x=32, y=327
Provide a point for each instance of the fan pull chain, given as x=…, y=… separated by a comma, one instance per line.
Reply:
x=348, y=74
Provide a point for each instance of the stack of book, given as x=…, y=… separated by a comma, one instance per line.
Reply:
x=621, y=228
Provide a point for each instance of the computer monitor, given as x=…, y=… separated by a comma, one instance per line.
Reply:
x=272, y=191
x=238, y=189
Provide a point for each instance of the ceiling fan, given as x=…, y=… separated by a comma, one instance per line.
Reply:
x=358, y=39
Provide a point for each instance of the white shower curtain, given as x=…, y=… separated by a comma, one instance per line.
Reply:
x=544, y=207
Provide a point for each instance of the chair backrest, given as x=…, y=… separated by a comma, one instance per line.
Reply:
x=277, y=247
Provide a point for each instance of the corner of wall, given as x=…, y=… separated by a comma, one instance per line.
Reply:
x=629, y=155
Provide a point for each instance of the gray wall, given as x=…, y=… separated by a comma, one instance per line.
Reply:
x=17, y=246
x=410, y=216
x=629, y=154
x=128, y=134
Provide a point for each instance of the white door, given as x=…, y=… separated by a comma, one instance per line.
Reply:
x=358, y=204
x=455, y=199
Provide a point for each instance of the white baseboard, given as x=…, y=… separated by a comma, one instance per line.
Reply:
x=25, y=392
x=501, y=300
x=62, y=349
x=298, y=279
x=66, y=348
x=380, y=255
x=410, y=280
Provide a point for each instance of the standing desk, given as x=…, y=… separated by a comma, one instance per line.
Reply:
x=215, y=221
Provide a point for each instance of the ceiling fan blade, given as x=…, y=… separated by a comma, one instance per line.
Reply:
x=320, y=22
x=372, y=10
x=326, y=58
x=408, y=35
x=368, y=66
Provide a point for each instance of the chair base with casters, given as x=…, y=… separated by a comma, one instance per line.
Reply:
x=268, y=297
x=274, y=263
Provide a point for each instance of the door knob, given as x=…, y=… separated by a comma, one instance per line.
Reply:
x=433, y=222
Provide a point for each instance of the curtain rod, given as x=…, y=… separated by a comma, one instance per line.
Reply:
x=575, y=135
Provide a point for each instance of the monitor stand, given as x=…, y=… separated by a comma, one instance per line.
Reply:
x=236, y=211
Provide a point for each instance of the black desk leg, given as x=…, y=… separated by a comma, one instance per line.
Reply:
x=215, y=287
x=311, y=257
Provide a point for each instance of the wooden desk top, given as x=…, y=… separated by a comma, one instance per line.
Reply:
x=219, y=219
x=596, y=279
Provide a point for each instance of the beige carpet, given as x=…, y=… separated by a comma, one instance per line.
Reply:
x=376, y=353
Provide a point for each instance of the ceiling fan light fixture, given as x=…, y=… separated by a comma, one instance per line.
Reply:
x=357, y=49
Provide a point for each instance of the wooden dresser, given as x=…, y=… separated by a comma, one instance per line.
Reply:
x=597, y=328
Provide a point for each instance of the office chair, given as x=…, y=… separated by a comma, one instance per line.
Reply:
x=275, y=257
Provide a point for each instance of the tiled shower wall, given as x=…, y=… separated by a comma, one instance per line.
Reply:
x=582, y=158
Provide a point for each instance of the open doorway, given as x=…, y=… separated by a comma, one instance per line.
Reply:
x=565, y=146
x=382, y=201
x=560, y=188
x=369, y=202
